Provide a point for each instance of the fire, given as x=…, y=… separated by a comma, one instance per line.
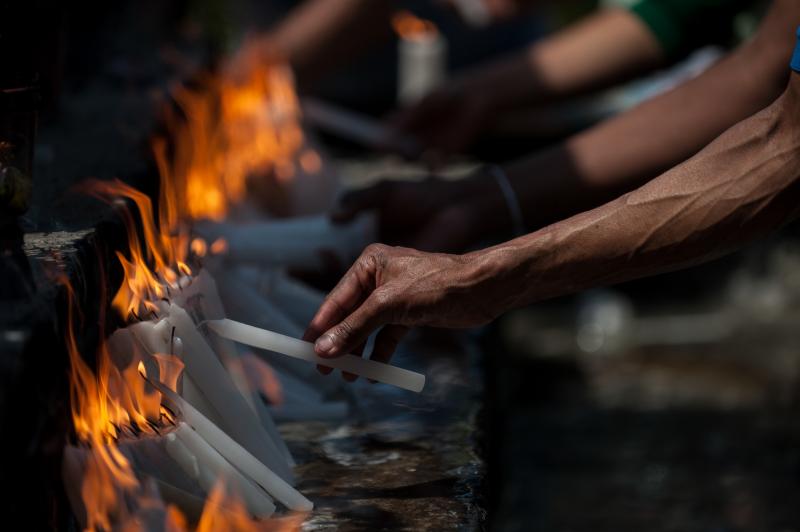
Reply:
x=166, y=246
x=105, y=403
x=409, y=26
x=225, y=511
x=226, y=133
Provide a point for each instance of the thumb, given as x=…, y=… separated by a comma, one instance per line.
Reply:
x=354, y=202
x=353, y=330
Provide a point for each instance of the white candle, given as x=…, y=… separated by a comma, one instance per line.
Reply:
x=236, y=454
x=210, y=376
x=295, y=242
x=295, y=348
x=205, y=303
x=356, y=127
x=422, y=65
x=199, y=458
x=298, y=301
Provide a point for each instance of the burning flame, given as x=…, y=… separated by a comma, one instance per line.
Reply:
x=226, y=133
x=225, y=511
x=409, y=26
x=106, y=403
x=165, y=247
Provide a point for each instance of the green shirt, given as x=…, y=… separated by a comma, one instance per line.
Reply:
x=683, y=25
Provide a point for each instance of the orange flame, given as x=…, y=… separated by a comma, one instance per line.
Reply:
x=225, y=511
x=228, y=132
x=105, y=403
x=409, y=26
x=165, y=246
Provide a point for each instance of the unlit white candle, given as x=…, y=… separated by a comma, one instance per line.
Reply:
x=203, y=297
x=286, y=345
x=294, y=242
x=356, y=127
x=208, y=373
x=190, y=450
x=236, y=454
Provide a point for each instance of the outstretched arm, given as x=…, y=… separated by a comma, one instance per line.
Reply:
x=320, y=35
x=612, y=158
x=606, y=47
x=624, y=152
x=743, y=185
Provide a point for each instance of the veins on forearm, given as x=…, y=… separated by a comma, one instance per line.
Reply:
x=742, y=185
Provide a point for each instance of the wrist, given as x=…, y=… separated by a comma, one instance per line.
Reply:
x=790, y=99
x=493, y=275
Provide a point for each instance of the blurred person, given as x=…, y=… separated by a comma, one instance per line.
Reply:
x=591, y=167
x=742, y=186
x=319, y=36
x=607, y=47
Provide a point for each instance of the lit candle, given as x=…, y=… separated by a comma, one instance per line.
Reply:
x=208, y=385
x=286, y=345
x=422, y=57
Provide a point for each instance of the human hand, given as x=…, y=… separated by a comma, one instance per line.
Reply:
x=398, y=288
x=431, y=215
x=446, y=121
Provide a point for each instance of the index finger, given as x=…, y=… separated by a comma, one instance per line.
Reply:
x=345, y=296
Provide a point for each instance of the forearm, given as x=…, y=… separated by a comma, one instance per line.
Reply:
x=622, y=153
x=607, y=47
x=741, y=186
x=321, y=34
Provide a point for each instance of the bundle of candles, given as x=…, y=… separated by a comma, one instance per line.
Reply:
x=178, y=414
x=212, y=422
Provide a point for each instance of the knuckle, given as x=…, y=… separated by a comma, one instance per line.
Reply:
x=375, y=249
x=344, y=330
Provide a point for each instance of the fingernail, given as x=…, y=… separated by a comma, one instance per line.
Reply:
x=324, y=345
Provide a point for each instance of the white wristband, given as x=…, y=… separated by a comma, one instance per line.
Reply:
x=512, y=201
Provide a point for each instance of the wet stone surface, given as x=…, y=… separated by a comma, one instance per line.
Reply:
x=404, y=461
